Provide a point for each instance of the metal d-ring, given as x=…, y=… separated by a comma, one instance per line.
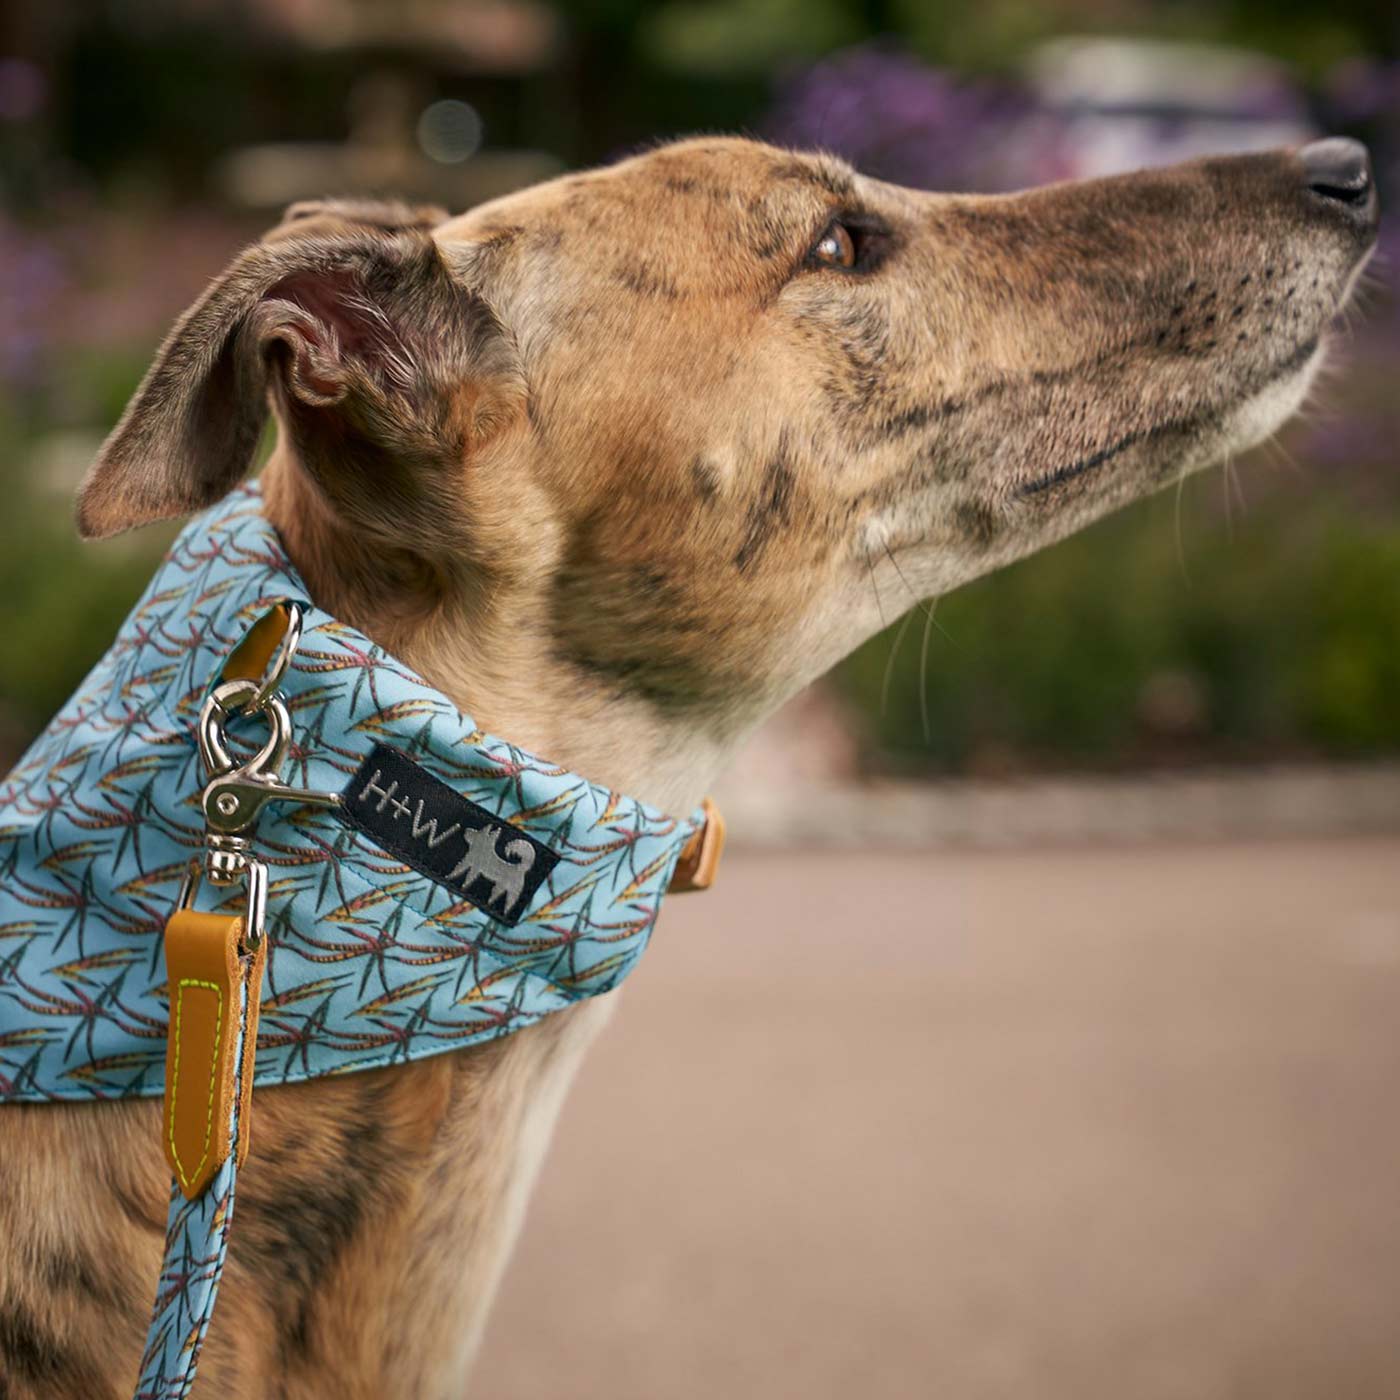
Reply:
x=282, y=661
x=288, y=618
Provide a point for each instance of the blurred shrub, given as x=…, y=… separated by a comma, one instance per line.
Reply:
x=1281, y=637
x=1347, y=673
x=61, y=600
x=727, y=36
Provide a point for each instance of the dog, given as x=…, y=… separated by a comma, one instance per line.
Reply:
x=618, y=463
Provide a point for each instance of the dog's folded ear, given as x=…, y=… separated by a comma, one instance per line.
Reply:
x=389, y=215
x=384, y=366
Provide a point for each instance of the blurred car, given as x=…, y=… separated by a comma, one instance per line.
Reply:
x=1123, y=104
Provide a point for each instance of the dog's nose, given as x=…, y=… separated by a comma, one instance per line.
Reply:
x=1339, y=171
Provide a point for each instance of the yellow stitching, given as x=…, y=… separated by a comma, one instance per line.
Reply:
x=213, y=1074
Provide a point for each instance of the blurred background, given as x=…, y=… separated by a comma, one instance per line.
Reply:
x=1040, y=1040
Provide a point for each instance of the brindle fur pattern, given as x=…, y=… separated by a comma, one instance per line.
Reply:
x=615, y=466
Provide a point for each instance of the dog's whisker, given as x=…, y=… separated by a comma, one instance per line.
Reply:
x=875, y=586
x=924, y=605
x=923, y=676
x=1180, y=539
x=1227, y=477
x=890, y=662
x=1278, y=451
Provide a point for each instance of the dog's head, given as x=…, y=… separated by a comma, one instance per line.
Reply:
x=691, y=423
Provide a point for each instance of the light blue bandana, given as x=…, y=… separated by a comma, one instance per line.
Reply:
x=372, y=960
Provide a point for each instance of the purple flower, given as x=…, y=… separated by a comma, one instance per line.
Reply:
x=32, y=274
x=901, y=120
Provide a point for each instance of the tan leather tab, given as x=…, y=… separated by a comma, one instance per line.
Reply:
x=204, y=974
x=699, y=859
x=249, y=660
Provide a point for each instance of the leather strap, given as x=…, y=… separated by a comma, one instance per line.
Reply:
x=206, y=971
x=699, y=858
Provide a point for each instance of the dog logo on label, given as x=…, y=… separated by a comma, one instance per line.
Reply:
x=505, y=871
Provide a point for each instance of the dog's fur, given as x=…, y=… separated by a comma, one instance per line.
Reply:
x=618, y=464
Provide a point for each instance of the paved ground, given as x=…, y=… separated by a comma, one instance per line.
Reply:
x=1059, y=1126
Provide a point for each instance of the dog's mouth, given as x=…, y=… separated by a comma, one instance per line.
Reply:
x=1060, y=475
x=1213, y=419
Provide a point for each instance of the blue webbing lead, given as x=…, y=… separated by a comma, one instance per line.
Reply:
x=196, y=1241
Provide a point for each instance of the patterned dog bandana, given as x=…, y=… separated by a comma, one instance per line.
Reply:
x=462, y=889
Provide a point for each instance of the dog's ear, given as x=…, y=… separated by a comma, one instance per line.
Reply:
x=385, y=367
x=388, y=215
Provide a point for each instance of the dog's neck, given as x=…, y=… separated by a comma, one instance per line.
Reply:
x=487, y=657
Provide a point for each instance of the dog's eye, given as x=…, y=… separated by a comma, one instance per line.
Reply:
x=835, y=248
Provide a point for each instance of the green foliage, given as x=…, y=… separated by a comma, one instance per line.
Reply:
x=61, y=600
x=1346, y=672
x=1281, y=636
x=751, y=36
x=98, y=382
x=728, y=36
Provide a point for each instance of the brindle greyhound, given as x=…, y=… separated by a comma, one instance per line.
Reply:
x=618, y=463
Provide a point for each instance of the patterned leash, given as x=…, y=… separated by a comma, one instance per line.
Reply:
x=214, y=969
x=196, y=1230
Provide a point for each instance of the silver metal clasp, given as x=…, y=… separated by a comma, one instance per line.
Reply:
x=236, y=792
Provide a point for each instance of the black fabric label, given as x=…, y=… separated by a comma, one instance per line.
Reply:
x=401, y=806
